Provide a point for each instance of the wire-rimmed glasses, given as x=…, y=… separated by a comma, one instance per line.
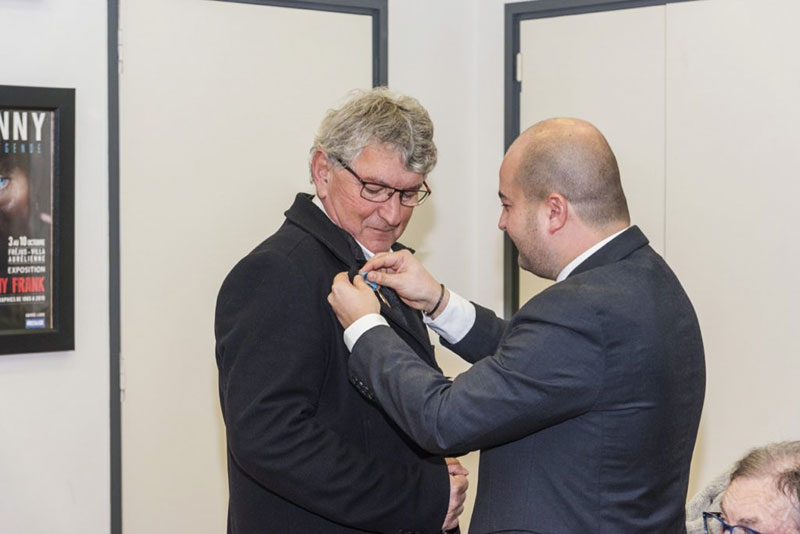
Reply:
x=375, y=192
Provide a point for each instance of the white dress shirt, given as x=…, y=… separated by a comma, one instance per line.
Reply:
x=459, y=315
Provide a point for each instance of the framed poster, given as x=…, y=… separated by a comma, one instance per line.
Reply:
x=37, y=164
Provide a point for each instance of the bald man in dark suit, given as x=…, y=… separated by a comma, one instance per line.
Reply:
x=585, y=405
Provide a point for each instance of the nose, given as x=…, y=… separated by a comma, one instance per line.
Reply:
x=501, y=224
x=391, y=211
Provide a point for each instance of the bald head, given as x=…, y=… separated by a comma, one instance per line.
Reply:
x=571, y=157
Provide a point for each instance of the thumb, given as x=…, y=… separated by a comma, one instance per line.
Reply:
x=340, y=279
x=384, y=279
x=454, y=467
x=358, y=282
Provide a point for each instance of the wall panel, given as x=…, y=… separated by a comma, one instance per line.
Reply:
x=732, y=158
x=219, y=105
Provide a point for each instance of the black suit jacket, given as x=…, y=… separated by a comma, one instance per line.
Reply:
x=585, y=405
x=306, y=452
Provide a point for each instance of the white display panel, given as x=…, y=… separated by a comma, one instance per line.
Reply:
x=714, y=190
x=219, y=104
x=54, y=420
x=607, y=68
x=733, y=81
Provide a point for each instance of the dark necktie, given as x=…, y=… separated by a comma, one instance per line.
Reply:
x=399, y=311
x=409, y=315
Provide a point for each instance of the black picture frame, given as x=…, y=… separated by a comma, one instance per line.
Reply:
x=46, y=146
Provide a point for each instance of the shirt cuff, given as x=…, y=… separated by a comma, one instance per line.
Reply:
x=355, y=330
x=455, y=321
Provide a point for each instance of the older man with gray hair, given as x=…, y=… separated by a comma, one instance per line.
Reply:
x=306, y=452
x=759, y=495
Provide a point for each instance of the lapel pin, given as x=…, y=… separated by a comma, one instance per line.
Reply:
x=377, y=289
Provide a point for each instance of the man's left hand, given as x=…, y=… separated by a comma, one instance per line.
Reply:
x=352, y=301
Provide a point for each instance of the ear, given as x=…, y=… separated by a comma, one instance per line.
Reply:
x=557, y=211
x=321, y=170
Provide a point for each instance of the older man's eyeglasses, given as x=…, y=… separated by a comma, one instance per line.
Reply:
x=716, y=525
x=375, y=192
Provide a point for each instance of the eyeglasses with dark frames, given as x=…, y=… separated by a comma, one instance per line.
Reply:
x=714, y=524
x=375, y=192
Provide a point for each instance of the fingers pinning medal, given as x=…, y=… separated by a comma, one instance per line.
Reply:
x=376, y=288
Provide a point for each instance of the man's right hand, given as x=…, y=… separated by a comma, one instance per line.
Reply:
x=458, y=493
x=402, y=272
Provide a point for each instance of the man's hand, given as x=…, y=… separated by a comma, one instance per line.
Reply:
x=351, y=302
x=458, y=493
x=402, y=272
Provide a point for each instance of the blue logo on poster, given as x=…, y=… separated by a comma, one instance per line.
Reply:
x=34, y=322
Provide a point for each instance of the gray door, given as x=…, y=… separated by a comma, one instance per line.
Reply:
x=219, y=103
x=607, y=68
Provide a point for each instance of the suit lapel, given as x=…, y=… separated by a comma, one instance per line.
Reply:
x=613, y=251
x=310, y=218
x=405, y=318
x=313, y=220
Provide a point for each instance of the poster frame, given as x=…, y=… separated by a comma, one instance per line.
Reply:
x=60, y=101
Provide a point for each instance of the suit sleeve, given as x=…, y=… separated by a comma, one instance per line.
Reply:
x=542, y=372
x=273, y=340
x=482, y=339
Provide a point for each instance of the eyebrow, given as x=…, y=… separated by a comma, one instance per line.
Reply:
x=745, y=521
x=384, y=184
x=374, y=180
x=378, y=181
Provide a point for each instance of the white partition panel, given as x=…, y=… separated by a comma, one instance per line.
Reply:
x=733, y=82
x=54, y=424
x=607, y=68
x=219, y=103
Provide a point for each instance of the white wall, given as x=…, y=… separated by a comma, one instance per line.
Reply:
x=488, y=149
x=54, y=422
x=449, y=55
x=424, y=37
x=731, y=214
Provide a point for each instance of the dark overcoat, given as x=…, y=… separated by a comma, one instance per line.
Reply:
x=306, y=452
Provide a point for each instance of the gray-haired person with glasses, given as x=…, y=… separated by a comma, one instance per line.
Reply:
x=307, y=453
x=760, y=495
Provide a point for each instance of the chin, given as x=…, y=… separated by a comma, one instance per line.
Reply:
x=380, y=242
x=378, y=247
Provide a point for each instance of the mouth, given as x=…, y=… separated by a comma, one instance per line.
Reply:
x=382, y=229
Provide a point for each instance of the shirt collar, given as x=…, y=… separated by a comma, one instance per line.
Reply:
x=367, y=253
x=566, y=271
